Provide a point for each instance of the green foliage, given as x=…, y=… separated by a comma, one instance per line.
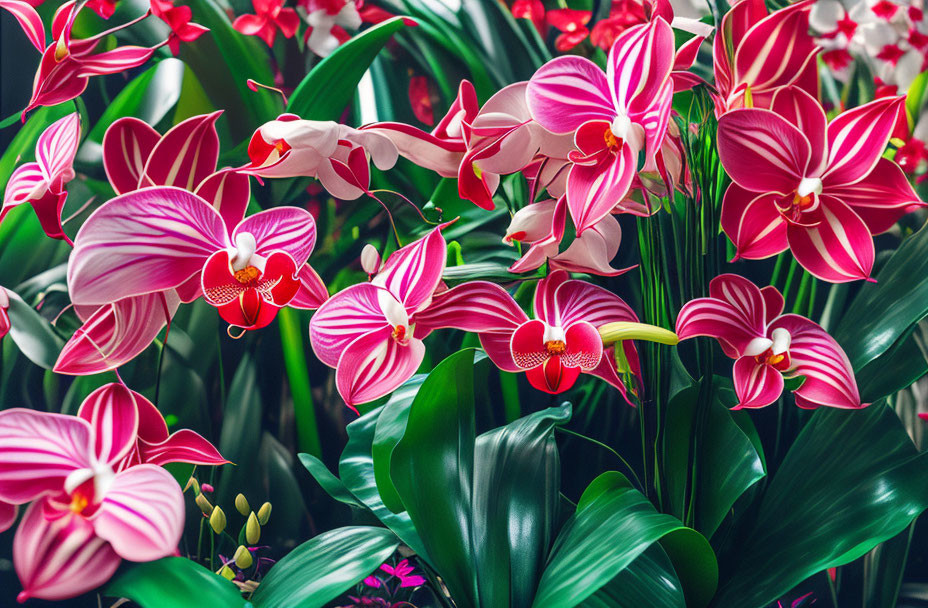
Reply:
x=173, y=582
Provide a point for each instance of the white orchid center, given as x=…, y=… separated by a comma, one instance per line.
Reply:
x=809, y=186
x=396, y=315
x=245, y=246
x=620, y=126
x=555, y=340
x=781, y=341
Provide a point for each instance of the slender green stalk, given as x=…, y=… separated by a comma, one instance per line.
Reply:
x=510, y=386
x=307, y=429
x=803, y=290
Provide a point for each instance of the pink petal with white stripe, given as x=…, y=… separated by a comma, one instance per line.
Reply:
x=142, y=242
x=881, y=198
x=127, y=145
x=838, y=248
x=56, y=148
x=858, y=137
x=182, y=446
x=60, y=558
x=718, y=319
x=112, y=62
x=142, y=514
x=27, y=183
x=424, y=149
x=639, y=65
x=593, y=190
x=805, y=113
x=288, y=229
x=343, y=318
x=477, y=306
x=313, y=293
x=756, y=384
x=186, y=154
x=593, y=251
x=743, y=295
x=374, y=365
x=412, y=273
x=773, y=303
x=228, y=191
x=753, y=223
x=567, y=92
x=815, y=355
x=581, y=301
x=116, y=333
x=29, y=20
x=114, y=417
x=762, y=151
x=39, y=451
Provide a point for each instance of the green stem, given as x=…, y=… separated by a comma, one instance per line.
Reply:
x=307, y=429
x=510, y=386
x=803, y=290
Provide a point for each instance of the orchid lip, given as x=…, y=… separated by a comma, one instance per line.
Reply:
x=245, y=247
x=809, y=185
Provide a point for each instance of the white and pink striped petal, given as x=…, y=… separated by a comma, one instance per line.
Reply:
x=837, y=248
x=375, y=364
x=756, y=384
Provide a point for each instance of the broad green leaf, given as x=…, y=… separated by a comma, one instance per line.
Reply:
x=430, y=472
x=32, y=334
x=609, y=532
x=649, y=581
x=173, y=582
x=332, y=485
x=884, y=568
x=851, y=480
x=331, y=85
x=884, y=311
x=324, y=567
x=294, y=353
x=901, y=365
x=726, y=463
x=241, y=417
x=390, y=428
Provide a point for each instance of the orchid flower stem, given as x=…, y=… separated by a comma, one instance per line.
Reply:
x=200, y=537
x=164, y=346
x=777, y=267
x=803, y=290
x=115, y=29
x=304, y=410
x=811, y=309
x=212, y=550
x=510, y=387
x=790, y=275
x=605, y=447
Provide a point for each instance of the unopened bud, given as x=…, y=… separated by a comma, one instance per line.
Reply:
x=370, y=259
x=243, y=557
x=192, y=483
x=241, y=504
x=217, y=520
x=252, y=529
x=204, y=505
x=264, y=513
x=206, y=488
x=226, y=573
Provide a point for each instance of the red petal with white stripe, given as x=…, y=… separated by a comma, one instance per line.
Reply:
x=127, y=145
x=857, y=139
x=567, y=92
x=413, y=272
x=756, y=384
x=29, y=20
x=114, y=417
x=375, y=365
x=593, y=190
x=881, y=198
x=762, y=151
x=838, y=248
x=753, y=223
x=805, y=113
x=186, y=154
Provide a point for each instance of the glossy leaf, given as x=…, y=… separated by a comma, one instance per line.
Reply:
x=331, y=85
x=390, y=428
x=173, y=582
x=649, y=581
x=332, y=485
x=851, y=480
x=324, y=567
x=32, y=334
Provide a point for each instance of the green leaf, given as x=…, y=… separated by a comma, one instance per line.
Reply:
x=901, y=297
x=390, y=428
x=727, y=462
x=851, y=480
x=32, y=334
x=323, y=568
x=430, y=472
x=331, y=85
x=610, y=529
x=332, y=485
x=649, y=581
x=294, y=353
x=173, y=582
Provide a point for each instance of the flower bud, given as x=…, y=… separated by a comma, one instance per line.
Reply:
x=241, y=504
x=264, y=513
x=192, y=483
x=531, y=223
x=206, y=488
x=370, y=259
x=226, y=573
x=243, y=557
x=252, y=529
x=217, y=520
x=204, y=505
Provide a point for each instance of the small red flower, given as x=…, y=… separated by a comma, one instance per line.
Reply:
x=178, y=19
x=270, y=15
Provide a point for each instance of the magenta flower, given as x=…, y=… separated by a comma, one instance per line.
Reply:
x=755, y=54
x=820, y=189
x=98, y=499
x=42, y=183
x=614, y=115
x=270, y=15
x=768, y=346
x=163, y=239
x=404, y=572
x=368, y=332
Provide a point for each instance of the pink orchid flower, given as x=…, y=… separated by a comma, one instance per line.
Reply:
x=614, y=116
x=404, y=572
x=768, y=346
x=755, y=53
x=42, y=183
x=541, y=226
x=335, y=154
x=4, y=312
x=96, y=498
x=820, y=189
x=270, y=15
x=368, y=332
x=163, y=238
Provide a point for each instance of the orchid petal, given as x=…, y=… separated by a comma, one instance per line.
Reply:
x=838, y=248
x=744, y=296
x=528, y=345
x=142, y=242
x=186, y=154
x=374, y=365
x=313, y=292
x=553, y=376
x=581, y=301
x=182, y=446
x=39, y=451
x=343, y=318
x=111, y=62
x=8, y=515
x=753, y=223
x=567, y=92
x=762, y=151
x=639, y=65
x=806, y=114
x=756, y=384
x=60, y=558
x=593, y=250
x=25, y=184
x=477, y=306
x=773, y=303
x=857, y=139
x=229, y=192
x=29, y=20
x=56, y=148
x=497, y=347
x=815, y=355
x=735, y=327
x=114, y=417
x=880, y=198
x=592, y=190
x=288, y=229
x=424, y=149
x=584, y=346
x=127, y=146
x=142, y=514
x=412, y=273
